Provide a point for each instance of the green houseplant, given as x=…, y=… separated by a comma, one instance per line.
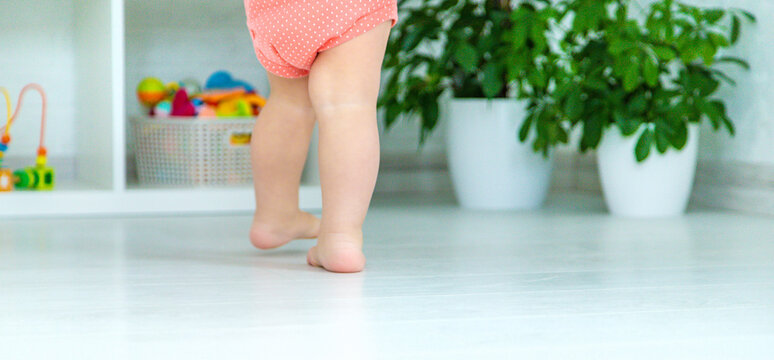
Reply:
x=474, y=49
x=486, y=55
x=657, y=73
x=642, y=79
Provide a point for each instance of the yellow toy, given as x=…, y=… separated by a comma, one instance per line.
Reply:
x=37, y=177
x=6, y=180
x=234, y=108
x=151, y=91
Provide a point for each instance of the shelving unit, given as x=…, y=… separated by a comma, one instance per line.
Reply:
x=89, y=55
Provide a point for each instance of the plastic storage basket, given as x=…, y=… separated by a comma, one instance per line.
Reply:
x=185, y=151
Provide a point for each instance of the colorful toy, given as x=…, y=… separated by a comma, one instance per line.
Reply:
x=234, y=108
x=171, y=89
x=181, y=106
x=214, y=97
x=224, y=80
x=208, y=111
x=163, y=109
x=256, y=100
x=6, y=180
x=223, y=97
x=191, y=86
x=6, y=176
x=257, y=103
x=37, y=177
x=151, y=91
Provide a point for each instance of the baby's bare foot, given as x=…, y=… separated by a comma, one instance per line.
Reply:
x=273, y=234
x=338, y=252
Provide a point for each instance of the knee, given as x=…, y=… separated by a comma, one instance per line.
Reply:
x=293, y=108
x=331, y=97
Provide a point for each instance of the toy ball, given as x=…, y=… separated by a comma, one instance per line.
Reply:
x=163, y=109
x=151, y=91
x=191, y=86
x=208, y=111
x=224, y=80
x=181, y=106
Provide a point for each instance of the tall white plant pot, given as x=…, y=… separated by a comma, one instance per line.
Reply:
x=489, y=167
x=659, y=187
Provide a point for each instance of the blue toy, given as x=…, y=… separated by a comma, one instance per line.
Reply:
x=223, y=80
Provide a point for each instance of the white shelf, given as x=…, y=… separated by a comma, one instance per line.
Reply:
x=140, y=201
x=88, y=55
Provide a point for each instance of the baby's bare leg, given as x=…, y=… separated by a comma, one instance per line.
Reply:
x=343, y=87
x=279, y=149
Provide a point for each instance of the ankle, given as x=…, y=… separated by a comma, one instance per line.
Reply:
x=272, y=217
x=336, y=233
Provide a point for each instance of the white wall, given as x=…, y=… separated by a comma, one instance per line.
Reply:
x=37, y=45
x=751, y=102
x=174, y=40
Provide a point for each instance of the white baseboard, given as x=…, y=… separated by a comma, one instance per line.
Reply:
x=735, y=186
x=724, y=185
x=413, y=173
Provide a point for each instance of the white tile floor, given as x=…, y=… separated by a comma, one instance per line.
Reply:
x=568, y=282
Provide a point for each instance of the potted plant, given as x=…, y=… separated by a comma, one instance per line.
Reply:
x=639, y=89
x=490, y=56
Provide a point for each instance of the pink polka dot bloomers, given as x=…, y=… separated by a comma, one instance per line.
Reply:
x=288, y=34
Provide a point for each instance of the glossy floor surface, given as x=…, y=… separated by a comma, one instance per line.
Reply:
x=568, y=282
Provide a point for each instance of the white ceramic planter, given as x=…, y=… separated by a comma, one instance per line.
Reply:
x=659, y=187
x=489, y=167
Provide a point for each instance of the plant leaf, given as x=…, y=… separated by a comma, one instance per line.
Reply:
x=734, y=60
x=714, y=15
x=493, y=79
x=642, y=150
x=632, y=77
x=736, y=29
x=430, y=113
x=708, y=51
x=665, y=53
x=619, y=46
x=627, y=125
x=719, y=40
x=467, y=56
x=592, y=132
x=526, y=127
x=662, y=139
x=680, y=137
x=650, y=71
x=574, y=105
x=638, y=104
x=749, y=16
